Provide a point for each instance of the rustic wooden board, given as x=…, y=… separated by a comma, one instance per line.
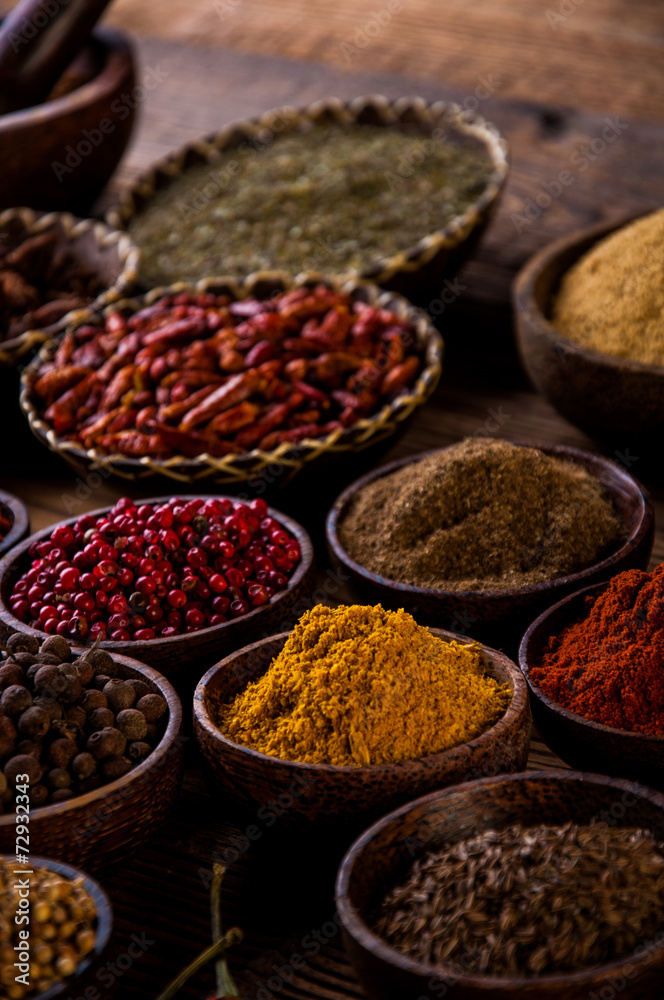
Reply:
x=279, y=891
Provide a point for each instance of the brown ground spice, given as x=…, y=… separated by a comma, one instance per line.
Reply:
x=482, y=515
x=612, y=300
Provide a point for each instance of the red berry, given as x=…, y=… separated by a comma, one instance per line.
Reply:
x=170, y=630
x=259, y=507
x=195, y=618
x=143, y=634
x=169, y=540
x=238, y=608
x=220, y=605
x=176, y=598
x=196, y=558
x=235, y=577
x=258, y=594
x=69, y=577
x=125, y=577
x=217, y=619
x=120, y=635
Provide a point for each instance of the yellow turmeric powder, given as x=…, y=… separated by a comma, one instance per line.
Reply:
x=361, y=685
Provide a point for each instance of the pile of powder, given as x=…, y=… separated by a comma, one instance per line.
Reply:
x=612, y=300
x=482, y=515
x=609, y=667
x=360, y=685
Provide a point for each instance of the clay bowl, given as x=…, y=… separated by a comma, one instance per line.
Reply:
x=418, y=271
x=54, y=133
x=610, y=398
x=102, y=827
x=84, y=974
x=503, y=614
x=384, y=853
x=345, y=797
x=16, y=511
x=109, y=253
x=581, y=742
x=175, y=653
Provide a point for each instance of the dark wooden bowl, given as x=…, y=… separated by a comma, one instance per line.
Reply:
x=103, y=827
x=17, y=512
x=174, y=653
x=416, y=272
x=495, y=612
x=582, y=742
x=606, y=396
x=83, y=976
x=383, y=854
x=34, y=140
x=346, y=796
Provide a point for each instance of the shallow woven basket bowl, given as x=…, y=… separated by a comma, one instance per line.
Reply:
x=608, y=397
x=416, y=271
x=76, y=984
x=347, y=797
x=248, y=465
x=103, y=827
x=17, y=512
x=384, y=853
x=177, y=656
x=582, y=742
x=110, y=253
x=505, y=613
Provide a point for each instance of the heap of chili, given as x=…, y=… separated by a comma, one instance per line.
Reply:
x=190, y=375
x=609, y=667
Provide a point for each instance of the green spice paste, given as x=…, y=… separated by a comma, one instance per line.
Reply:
x=331, y=198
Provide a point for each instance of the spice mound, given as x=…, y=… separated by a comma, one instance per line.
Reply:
x=142, y=571
x=62, y=930
x=329, y=198
x=612, y=300
x=481, y=515
x=529, y=900
x=194, y=375
x=40, y=281
x=69, y=722
x=360, y=685
x=609, y=666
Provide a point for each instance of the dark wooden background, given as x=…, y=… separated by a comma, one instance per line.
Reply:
x=555, y=97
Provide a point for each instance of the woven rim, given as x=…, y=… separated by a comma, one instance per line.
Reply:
x=72, y=228
x=374, y=108
x=238, y=468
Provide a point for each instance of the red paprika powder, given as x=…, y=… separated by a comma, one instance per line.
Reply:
x=609, y=667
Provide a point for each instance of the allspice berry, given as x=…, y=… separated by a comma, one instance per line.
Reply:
x=139, y=751
x=8, y=735
x=24, y=659
x=84, y=670
x=3, y=784
x=51, y=706
x=18, y=642
x=100, y=681
x=107, y=742
x=49, y=681
x=76, y=714
x=15, y=699
x=90, y=784
x=20, y=765
x=31, y=748
x=115, y=767
x=11, y=673
x=93, y=699
x=38, y=795
x=83, y=765
x=100, y=718
x=152, y=734
x=153, y=706
x=62, y=795
x=34, y=723
x=61, y=752
x=58, y=777
x=139, y=686
x=102, y=662
x=131, y=724
x=119, y=694
x=58, y=646
x=47, y=658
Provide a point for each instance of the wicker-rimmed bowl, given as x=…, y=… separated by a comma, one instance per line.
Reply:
x=505, y=613
x=193, y=651
x=346, y=797
x=416, y=271
x=102, y=827
x=286, y=457
x=384, y=853
x=110, y=253
x=614, y=399
x=83, y=976
x=582, y=742
x=16, y=511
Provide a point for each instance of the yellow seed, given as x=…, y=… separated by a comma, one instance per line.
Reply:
x=66, y=966
x=85, y=940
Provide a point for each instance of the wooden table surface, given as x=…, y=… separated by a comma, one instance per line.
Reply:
x=279, y=891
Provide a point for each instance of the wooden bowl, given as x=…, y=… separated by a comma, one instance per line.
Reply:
x=37, y=140
x=110, y=253
x=582, y=742
x=504, y=612
x=416, y=272
x=102, y=827
x=346, y=796
x=17, y=512
x=608, y=397
x=384, y=853
x=287, y=458
x=83, y=976
x=173, y=653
